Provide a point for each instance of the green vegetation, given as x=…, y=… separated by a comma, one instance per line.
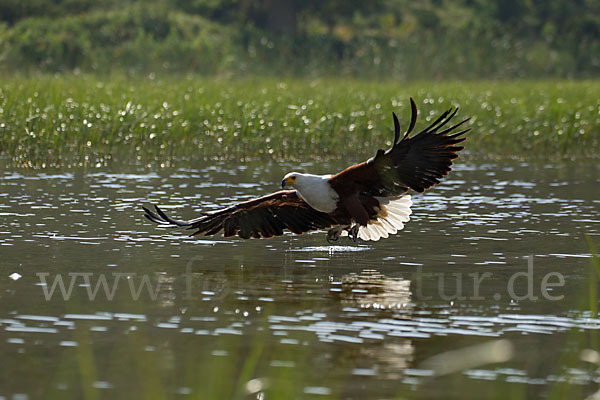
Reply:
x=107, y=102
x=386, y=39
x=68, y=119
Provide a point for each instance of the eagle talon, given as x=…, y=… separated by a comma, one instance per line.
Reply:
x=353, y=233
x=333, y=235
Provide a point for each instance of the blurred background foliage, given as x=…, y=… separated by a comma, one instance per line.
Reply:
x=400, y=39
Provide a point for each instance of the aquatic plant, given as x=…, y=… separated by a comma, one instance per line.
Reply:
x=92, y=121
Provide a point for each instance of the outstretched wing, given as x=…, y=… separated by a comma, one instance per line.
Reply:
x=265, y=216
x=417, y=162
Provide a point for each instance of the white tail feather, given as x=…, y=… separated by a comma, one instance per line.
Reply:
x=394, y=213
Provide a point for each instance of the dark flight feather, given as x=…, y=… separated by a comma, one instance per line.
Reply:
x=266, y=216
x=416, y=162
x=396, y=129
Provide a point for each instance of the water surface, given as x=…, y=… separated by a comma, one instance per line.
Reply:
x=201, y=317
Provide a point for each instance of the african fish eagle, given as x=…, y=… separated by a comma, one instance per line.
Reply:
x=363, y=201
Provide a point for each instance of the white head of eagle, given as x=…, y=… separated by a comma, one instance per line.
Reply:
x=314, y=189
x=364, y=201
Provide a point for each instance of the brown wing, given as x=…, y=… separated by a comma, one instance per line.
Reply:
x=416, y=162
x=265, y=216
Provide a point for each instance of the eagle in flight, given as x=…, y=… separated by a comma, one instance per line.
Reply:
x=364, y=201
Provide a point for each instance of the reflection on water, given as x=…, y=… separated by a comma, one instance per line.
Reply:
x=106, y=301
x=371, y=289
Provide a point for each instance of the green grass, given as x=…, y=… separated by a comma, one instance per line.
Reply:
x=93, y=121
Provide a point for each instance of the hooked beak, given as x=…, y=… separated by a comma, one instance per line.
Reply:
x=286, y=182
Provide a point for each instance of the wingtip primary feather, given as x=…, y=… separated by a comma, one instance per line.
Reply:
x=152, y=216
x=413, y=117
x=160, y=218
x=152, y=219
x=396, y=129
x=161, y=213
x=413, y=121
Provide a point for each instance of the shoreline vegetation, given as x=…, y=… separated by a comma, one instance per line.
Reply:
x=69, y=120
x=378, y=39
x=93, y=82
